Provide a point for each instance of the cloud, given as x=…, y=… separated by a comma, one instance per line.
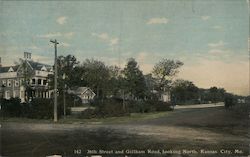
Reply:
x=33, y=47
x=217, y=27
x=43, y=59
x=217, y=51
x=205, y=18
x=63, y=44
x=112, y=41
x=102, y=36
x=69, y=34
x=57, y=34
x=162, y=20
x=50, y=35
x=218, y=44
x=61, y=20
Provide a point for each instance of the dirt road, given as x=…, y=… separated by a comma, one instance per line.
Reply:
x=193, y=129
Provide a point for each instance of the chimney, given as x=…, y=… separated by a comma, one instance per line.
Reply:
x=27, y=55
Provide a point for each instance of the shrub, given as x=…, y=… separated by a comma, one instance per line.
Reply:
x=40, y=108
x=163, y=106
x=105, y=108
x=89, y=113
x=140, y=107
x=229, y=101
x=11, y=107
x=148, y=106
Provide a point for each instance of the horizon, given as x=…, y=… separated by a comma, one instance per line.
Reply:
x=209, y=37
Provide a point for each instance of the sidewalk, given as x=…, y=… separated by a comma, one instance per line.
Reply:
x=198, y=106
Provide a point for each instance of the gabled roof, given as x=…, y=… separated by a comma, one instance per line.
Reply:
x=6, y=69
x=80, y=90
x=38, y=66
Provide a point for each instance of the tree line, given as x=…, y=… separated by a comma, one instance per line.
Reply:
x=130, y=83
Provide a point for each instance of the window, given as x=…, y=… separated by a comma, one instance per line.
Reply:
x=33, y=81
x=44, y=82
x=39, y=81
x=16, y=83
x=4, y=82
x=9, y=83
x=7, y=94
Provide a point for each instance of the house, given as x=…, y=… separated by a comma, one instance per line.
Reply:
x=163, y=96
x=85, y=93
x=15, y=79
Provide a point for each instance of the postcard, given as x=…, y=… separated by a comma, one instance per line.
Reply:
x=123, y=78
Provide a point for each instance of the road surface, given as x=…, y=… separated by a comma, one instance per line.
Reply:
x=187, y=131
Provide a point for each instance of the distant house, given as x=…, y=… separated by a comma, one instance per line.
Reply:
x=85, y=93
x=163, y=96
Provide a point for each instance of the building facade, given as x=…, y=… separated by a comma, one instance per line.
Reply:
x=26, y=80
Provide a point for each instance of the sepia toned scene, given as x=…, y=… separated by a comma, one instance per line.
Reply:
x=106, y=78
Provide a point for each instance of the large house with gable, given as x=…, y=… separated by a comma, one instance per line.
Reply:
x=15, y=79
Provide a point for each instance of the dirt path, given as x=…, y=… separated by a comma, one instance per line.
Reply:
x=187, y=128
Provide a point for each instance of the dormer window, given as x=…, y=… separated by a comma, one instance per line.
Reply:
x=11, y=70
x=43, y=68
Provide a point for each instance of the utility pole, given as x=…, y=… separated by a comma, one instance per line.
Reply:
x=64, y=99
x=55, y=80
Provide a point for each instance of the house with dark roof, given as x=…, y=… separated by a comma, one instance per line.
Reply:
x=15, y=79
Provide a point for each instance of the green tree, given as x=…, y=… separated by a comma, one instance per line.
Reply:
x=216, y=94
x=25, y=72
x=96, y=74
x=165, y=70
x=184, y=91
x=134, y=80
x=66, y=73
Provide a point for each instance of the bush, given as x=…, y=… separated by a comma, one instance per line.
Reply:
x=140, y=107
x=229, y=101
x=163, y=106
x=105, y=108
x=40, y=108
x=89, y=113
x=11, y=107
x=148, y=106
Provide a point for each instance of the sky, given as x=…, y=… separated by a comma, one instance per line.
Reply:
x=209, y=36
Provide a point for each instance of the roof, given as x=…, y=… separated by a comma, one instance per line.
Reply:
x=80, y=90
x=38, y=66
x=6, y=69
x=34, y=66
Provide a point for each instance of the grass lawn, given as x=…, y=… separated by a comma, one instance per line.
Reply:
x=108, y=120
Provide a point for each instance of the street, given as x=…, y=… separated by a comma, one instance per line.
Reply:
x=199, y=128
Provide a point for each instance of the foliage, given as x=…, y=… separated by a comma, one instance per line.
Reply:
x=41, y=109
x=229, y=101
x=96, y=75
x=38, y=108
x=11, y=107
x=135, y=84
x=66, y=75
x=163, y=72
x=183, y=91
x=105, y=108
x=148, y=106
x=26, y=73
